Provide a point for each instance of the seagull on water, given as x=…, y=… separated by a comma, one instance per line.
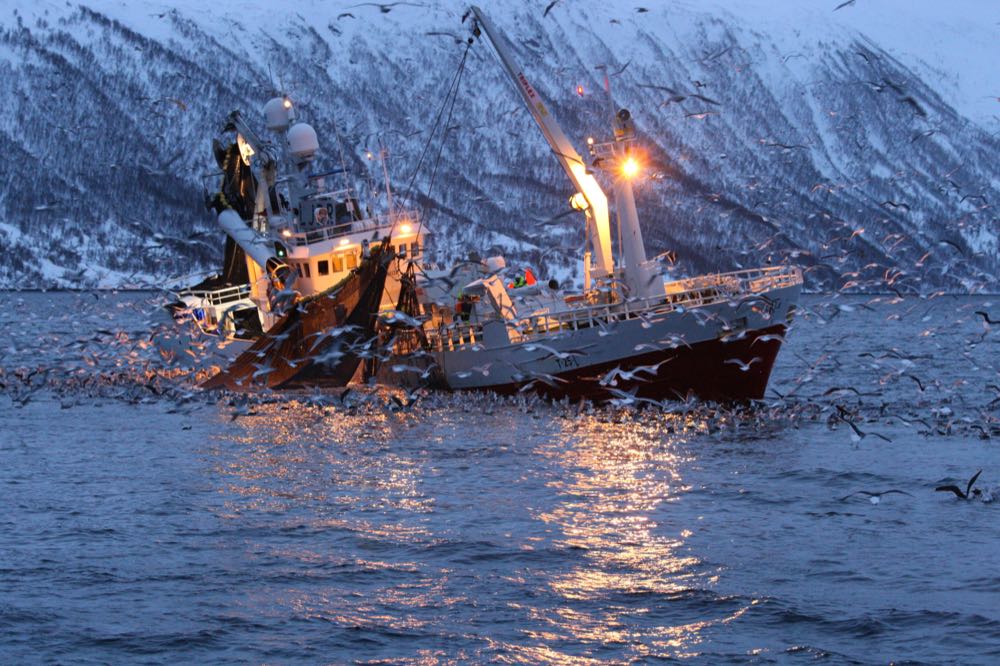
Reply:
x=969, y=492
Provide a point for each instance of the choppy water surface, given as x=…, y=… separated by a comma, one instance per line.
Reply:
x=147, y=522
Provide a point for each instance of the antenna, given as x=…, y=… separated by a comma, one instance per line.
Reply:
x=383, y=154
x=607, y=89
x=340, y=149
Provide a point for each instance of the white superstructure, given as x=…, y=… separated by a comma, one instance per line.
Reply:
x=300, y=233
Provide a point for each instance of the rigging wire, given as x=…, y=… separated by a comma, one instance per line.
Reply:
x=449, y=103
x=444, y=136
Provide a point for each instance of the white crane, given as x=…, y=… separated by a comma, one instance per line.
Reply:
x=640, y=276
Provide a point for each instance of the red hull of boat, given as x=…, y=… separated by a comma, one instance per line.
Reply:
x=711, y=370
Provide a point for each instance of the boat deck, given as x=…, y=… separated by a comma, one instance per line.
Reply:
x=678, y=296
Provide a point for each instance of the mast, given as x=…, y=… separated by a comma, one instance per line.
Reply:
x=641, y=276
x=588, y=189
x=383, y=155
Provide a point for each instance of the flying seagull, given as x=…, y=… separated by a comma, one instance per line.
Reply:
x=875, y=498
x=969, y=492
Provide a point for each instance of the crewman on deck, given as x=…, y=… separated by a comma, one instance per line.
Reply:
x=464, y=307
x=525, y=280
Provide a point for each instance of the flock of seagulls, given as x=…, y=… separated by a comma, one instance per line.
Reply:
x=154, y=361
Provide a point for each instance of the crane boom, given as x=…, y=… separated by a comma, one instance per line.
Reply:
x=597, y=202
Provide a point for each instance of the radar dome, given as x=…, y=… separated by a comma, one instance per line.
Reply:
x=278, y=114
x=302, y=141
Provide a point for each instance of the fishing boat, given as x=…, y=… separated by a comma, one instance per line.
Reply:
x=303, y=256
x=631, y=334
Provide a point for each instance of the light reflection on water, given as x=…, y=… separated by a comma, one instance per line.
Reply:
x=616, y=485
x=605, y=543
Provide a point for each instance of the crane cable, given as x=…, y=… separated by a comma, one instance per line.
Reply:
x=449, y=103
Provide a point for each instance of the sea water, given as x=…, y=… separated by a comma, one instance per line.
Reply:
x=145, y=521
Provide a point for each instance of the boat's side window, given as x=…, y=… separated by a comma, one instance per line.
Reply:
x=323, y=267
x=414, y=249
x=298, y=268
x=305, y=268
x=352, y=260
x=338, y=263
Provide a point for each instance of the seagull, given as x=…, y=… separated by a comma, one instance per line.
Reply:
x=894, y=204
x=534, y=346
x=556, y=218
x=484, y=370
x=914, y=104
x=396, y=404
x=549, y=8
x=423, y=372
x=744, y=366
x=875, y=498
x=844, y=4
x=242, y=410
x=385, y=8
x=986, y=318
x=611, y=379
x=859, y=434
x=969, y=491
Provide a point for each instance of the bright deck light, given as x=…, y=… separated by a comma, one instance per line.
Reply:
x=405, y=228
x=343, y=241
x=630, y=168
x=287, y=233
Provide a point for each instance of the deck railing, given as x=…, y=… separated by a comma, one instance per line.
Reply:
x=220, y=296
x=382, y=223
x=685, y=294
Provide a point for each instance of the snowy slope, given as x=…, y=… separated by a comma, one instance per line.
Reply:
x=954, y=46
x=859, y=142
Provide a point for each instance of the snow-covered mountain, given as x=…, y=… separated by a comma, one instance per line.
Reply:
x=775, y=131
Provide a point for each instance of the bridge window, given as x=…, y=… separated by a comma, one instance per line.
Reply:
x=338, y=263
x=323, y=267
